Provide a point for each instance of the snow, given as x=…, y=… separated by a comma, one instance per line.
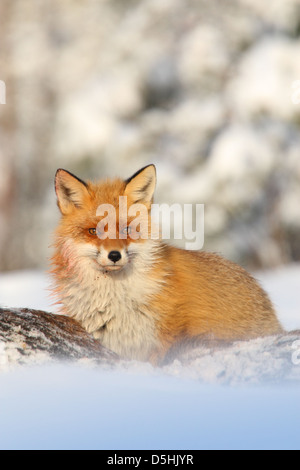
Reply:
x=25, y=289
x=244, y=397
x=283, y=285
x=60, y=408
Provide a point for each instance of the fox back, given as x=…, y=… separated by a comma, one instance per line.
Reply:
x=137, y=295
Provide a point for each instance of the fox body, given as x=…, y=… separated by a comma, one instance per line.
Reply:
x=140, y=296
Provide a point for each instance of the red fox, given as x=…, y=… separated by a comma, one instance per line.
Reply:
x=138, y=295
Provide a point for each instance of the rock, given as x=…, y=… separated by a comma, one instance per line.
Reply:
x=29, y=337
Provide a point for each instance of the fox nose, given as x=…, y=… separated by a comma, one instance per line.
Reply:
x=114, y=256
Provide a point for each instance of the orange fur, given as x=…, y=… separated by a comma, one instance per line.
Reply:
x=156, y=295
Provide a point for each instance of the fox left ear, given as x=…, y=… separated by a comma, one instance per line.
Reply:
x=70, y=191
x=140, y=187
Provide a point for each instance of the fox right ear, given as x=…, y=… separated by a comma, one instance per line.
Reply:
x=140, y=187
x=70, y=191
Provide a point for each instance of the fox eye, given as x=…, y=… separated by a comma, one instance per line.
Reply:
x=92, y=231
x=126, y=231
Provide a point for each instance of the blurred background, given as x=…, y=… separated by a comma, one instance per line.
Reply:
x=206, y=90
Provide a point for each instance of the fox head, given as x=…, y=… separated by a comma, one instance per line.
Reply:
x=105, y=223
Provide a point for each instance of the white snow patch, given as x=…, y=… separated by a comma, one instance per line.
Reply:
x=79, y=408
x=283, y=285
x=26, y=289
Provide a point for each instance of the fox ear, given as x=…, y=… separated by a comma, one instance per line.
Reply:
x=70, y=191
x=140, y=187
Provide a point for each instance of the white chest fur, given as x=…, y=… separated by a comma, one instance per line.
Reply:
x=114, y=307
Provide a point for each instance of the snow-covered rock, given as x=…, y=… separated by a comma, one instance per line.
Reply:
x=263, y=360
x=259, y=361
x=32, y=337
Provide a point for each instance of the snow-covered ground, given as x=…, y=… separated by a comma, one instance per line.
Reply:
x=246, y=397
